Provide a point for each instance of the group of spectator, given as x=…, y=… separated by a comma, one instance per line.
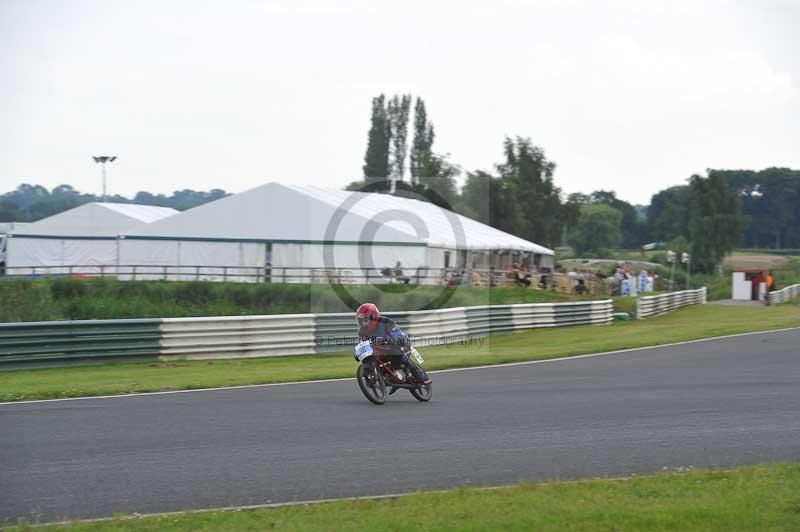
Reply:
x=578, y=282
x=521, y=275
x=544, y=278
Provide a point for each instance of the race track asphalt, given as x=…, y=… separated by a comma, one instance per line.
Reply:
x=716, y=403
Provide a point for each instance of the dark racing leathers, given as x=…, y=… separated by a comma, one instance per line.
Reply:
x=388, y=339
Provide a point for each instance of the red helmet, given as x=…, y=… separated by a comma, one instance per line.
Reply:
x=367, y=315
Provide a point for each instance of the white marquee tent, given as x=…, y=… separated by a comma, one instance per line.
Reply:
x=84, y=236
x=288, y=228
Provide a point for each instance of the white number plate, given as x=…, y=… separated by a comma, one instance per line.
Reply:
x=417, y=356
x=363, y=350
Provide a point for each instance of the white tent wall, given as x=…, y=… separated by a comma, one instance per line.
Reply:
x=304, y=263
x=145, y=255
x=547, y=261
x=435, y=259
x=244, y=256
x=369, y=231
x=84, y=238
x=441, y=260
x=82, y=255
x=190, y=259
x=28, y=252
x=89, y=253
x=235, y=237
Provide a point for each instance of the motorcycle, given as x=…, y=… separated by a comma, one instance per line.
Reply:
x=377, y=371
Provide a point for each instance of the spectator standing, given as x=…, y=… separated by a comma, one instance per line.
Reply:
x=398, y=274
x=580, y=288
x=519, y=277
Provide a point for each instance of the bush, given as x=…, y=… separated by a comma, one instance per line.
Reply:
x=67, y=289
x=193, y=293
x=659, y=258
x=26, y=301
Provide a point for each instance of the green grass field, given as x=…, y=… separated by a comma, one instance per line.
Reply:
x=152, y=375
x=754, y=498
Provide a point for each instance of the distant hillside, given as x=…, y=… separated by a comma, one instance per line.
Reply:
x=29, y=203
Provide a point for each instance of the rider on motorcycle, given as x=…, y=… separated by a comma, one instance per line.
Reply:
x=386, y=337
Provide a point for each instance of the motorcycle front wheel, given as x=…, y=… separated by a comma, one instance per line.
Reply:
x=371, y=383
x=423, y=393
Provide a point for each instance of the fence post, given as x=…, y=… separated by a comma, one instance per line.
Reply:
x=133, y=275
x=225, y=274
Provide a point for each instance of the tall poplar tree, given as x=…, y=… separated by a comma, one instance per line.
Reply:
x=398, y=113
x=422, y=144
x=376, y=159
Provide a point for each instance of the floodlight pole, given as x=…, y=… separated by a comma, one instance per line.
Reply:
x=103, y=159
x=688, y=272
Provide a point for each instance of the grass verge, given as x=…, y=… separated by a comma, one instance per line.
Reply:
x=122, y=377
x=763, y=497
x=106, y=298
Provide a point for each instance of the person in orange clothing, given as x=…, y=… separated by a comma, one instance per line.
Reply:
x=756, y=280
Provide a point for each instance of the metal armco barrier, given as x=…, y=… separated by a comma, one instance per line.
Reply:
x=647, y=306
x=63, y=340
x=287, y=334
x=782, y=296
x=237, y=336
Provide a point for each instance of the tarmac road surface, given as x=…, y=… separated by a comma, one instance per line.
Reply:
x=706, y=404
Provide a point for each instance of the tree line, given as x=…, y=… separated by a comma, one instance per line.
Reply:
x=29, y=203
x=708, y=216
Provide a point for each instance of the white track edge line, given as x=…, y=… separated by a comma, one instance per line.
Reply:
x=310, y=502
x=451, y=370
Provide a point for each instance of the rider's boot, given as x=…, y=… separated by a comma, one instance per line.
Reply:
x=422, y=376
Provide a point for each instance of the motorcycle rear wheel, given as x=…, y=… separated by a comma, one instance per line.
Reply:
x=371, y=383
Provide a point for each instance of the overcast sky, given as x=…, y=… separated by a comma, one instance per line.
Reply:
x=632, y=95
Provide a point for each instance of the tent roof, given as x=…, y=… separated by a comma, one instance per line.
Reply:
x=304, y=213
x=443, y=227
x=143, y=213
x=95, y=220
x=271, y=212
